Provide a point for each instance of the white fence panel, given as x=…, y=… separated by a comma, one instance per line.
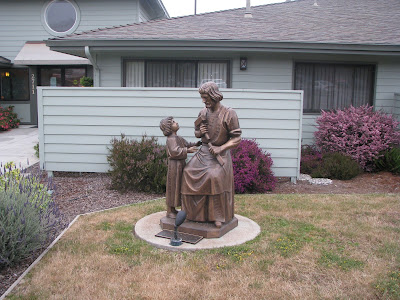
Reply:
x=76, y=125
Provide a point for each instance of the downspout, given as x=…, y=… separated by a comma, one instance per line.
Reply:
x=96, y=73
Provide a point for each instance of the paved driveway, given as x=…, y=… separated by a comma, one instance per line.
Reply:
x=17, y=145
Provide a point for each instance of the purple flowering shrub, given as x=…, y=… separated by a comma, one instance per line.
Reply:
x=359, y=132
x=311, y=159
x=138, y=165
x=252, y=168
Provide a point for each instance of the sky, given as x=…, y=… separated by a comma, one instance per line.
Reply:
x=177, y=8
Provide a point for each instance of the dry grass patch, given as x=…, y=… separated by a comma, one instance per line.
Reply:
x=310, y=246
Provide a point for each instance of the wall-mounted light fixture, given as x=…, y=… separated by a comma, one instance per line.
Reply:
x=243, y=63
x=7, y=74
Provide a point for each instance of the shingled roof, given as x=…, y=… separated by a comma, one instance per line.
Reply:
x=368, y=22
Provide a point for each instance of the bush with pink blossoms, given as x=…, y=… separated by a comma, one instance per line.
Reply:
x=359, y=132
x=8, y=118
x=252, y=168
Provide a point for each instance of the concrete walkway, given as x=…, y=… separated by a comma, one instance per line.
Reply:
x=17, y=145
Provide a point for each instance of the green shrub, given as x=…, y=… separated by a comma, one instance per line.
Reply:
x=311, y=159
x=336, y=166
x=86, y=81
x=389, y=161
x=138, y=165
x=24, y=226
x=36, y=148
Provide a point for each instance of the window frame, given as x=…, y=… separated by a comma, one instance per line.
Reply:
x=28, y=86
x=49, y=29
x=196, y=61
x=336, y=63
x=63, y=67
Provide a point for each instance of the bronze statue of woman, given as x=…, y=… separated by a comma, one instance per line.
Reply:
x=207, y=180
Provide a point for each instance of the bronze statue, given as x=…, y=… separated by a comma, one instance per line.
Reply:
x=177, y=150
x=207, y=181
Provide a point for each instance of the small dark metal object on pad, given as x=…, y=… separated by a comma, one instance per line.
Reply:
x=180, y=218
x=186, y=237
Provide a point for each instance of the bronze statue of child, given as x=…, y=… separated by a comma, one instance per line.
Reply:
x=177, y=150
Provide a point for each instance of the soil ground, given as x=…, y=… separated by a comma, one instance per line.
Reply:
x=78, y=193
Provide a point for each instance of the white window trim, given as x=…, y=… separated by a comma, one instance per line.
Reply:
x=55, y=33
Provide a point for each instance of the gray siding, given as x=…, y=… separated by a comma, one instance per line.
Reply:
x=110, y=70
x=387, y=83
x=76, y=125
x=267, y=72
x=104, y=13
x=396, y=111
x=143, y=14
x=308, y=129
x=271, y=71
x=20, y=21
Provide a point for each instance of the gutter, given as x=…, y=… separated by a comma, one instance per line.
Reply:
x=74, y=46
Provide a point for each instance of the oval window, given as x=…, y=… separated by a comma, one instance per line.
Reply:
x=61, y=16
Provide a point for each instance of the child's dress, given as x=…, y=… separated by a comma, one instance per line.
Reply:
x=177, y=154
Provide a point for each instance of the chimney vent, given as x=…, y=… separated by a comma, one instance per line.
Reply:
x=248, y=10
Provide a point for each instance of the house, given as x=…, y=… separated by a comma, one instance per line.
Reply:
x=340, y=52
x=25, y=60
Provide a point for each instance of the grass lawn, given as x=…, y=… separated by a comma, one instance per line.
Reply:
x=310, y=247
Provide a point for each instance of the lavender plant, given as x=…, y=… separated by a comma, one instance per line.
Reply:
x=138, y=165
x=252, y=168
x=33, y=185
x=29, y=218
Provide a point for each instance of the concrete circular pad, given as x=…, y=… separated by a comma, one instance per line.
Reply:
x=147, y=227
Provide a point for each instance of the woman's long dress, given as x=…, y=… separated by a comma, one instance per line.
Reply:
x=207, y=186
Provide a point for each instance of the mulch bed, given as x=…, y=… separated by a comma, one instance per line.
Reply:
x=78, y=193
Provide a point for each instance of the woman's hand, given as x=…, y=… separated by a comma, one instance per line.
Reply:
x=215, y=150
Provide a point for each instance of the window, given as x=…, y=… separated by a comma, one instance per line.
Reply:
x=334, y=86
x=61, y=76
x=61, y=16
x=14, y=84
x=163, y=73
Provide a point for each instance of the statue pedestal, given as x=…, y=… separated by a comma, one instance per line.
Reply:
x=206, y=230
